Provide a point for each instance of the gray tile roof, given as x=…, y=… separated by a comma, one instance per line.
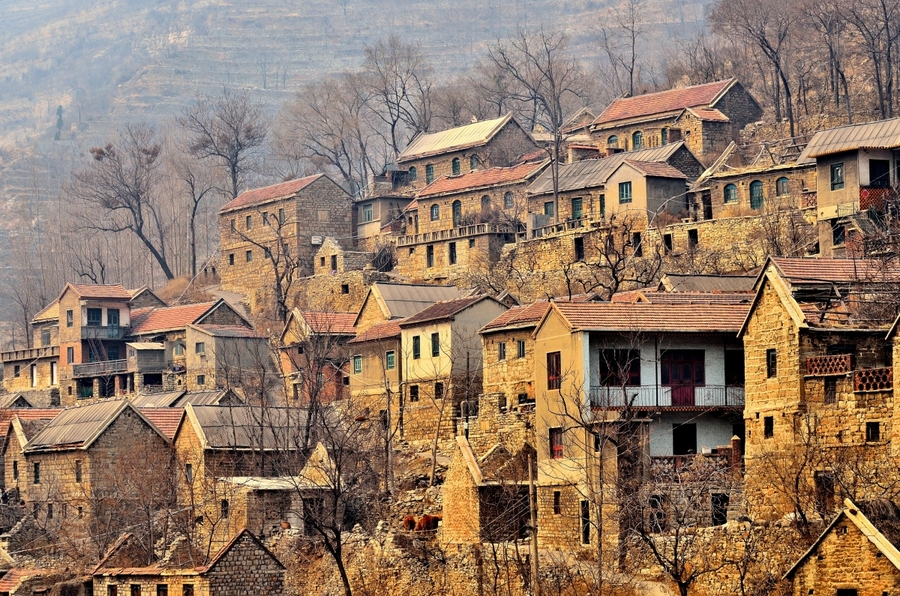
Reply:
x=686, y=282
x=249, y=427
x=405, y=300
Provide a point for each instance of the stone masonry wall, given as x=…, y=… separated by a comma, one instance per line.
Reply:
x=246, y=570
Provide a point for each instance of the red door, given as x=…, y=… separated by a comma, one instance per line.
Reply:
x=682, y=371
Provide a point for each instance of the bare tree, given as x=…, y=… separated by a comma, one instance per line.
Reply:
x=620, y=41
x=229, y=130
x=878, y=24
x=622, y=257
x=119, y=191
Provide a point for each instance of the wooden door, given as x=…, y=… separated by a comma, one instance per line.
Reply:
x=682, y=371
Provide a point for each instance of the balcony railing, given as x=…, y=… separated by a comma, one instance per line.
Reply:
x=97, y=332
x=875, y=197
x=30, y=354
x=461, y=232
x=559, y=228
x=99, y=369
x=687, y=396
x=836, y=364
x=873, y=379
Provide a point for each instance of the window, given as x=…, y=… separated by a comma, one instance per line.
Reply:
x=412, y=174
x=334, y=262
x=112, y=353
x=45, y=337
x=620, y=368
x=838, y=233
x=36, y=473
x=439, y=390
x=520, y=348
x=78, y=470
x=456, y=209
x=413, y=393
x=451, y=253
x=548, y=208
x=200, y=347
x=557, y=503
x=830, y=390
x=485, y=205
x=756, y=195
x=435, y=212
x=15, y=470
x=70, y=316
x=873, y=432
x=367, y=213
x=657, y=517
x=201, y=379
x=70, y=355
x=416, y=347
x=231, y=258
x=189, y=472
x=837, y=176
x=281, y=216
x=248, y=222
x=135, y=590
x=473, y=162
x=187, y=590
x=35, y=510
x=508, y=200
x=577, y=212
x=224, y=508
x=578, y=245
x=731, y=195
x=734, y=368
x=233, y=226
x=781, y=186
x=825, y=493
x=556, y=443
x=612, y=141
x=345, y=288
x=65, y=510
x=34, y=375
x=321, y=261
x=454, y=166
x=848, y=592
x=80, y=513
x=390, y=360
x=17, y=371
x=357, y=364
x=719, y=506
x=501, y=351
x=429, y=174
x=637, y=140
x=249, y=256
x=94, y=317
x=585, y=522
x=265, y=218
x=624, y=192
x=602, y=205
x=471, y=243
x=554, y=370
x=429, y=255
x=49, y=510
x=112, y=590
x=693, y=239
x=435, y=345
x=664, y=136
x=162, y=590
x=768, y=427
x=880, y=173
x=771, y=363
x=178, y=350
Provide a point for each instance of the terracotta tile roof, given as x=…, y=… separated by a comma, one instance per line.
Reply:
x=230, y=331
x=453, y=139
x=269, y=193
x=381, y=331
x=116, y=291
x=481, y=178
x=14, y=577
x=442, y=310
x=665, y=101
x=655, y=169
x=709, y=114
x=527, y=315
x=811, y=270
x=25, y=414
x=165, y=419
x=335, y=323
x=682, y=297
x=152, y=320
x=644, y=317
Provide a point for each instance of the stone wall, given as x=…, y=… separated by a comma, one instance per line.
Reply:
x=800, y=179
x=343, y=292
x=433, y=261
x=246, y=570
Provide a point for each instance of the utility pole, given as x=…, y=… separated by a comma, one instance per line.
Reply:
x=535, y=584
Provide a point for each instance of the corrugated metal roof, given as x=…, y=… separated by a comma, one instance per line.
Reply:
x=883, y=134
x=208, y=398
x=405, y=300
x=454, y=139
x=249, y=427
x=146, y=345
x=687, y=282
x=592, y=173
x=164, y=399
x=74, y=428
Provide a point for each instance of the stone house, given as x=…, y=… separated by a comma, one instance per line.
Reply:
x=374, y=216
x=243, y=567
x=856, y=555
x=220, y=356
x=648, y=182
x=36, y=368
x=440, y=362
x=377, y=384
x=391, y=301
x=313, y=354
x=745, y=191
x=144, y=297
x=856, y=170
x=465, y=220
x=671, y=373
x=16, y=434
x=819, y=380
x=261, y=225
x=707, y=117
x=84, y=467
x=332, y=258
x=485, y=144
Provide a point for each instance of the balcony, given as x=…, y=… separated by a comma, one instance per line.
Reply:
x=559, y=228
x=836, y=364
x=873, y=379
x=875, y=197
x=99, y=369
x=454, y=233
x=686, y=396
x=30, y=354
x=98, y=332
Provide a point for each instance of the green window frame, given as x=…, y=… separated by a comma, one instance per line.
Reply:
x=625, y=194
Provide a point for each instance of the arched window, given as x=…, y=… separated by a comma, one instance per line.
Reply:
x=664, y=135
x=781, y=186
x=508, y=200
x=473, y=162
x=412, y=174
x=455, y=166
x=637, y=140
x=435, y=212
x=485, y=205
x=429, y=174
x=612, y=141
x=457, y=213
x=756, y=194
x=731, y=193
